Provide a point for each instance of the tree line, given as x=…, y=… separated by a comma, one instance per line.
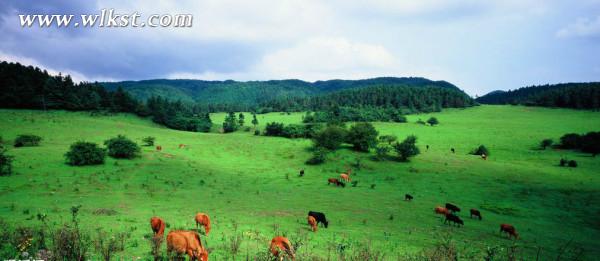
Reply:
x=567, y=95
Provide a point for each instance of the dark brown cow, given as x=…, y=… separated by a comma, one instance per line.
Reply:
x=408, y=197
x=281, y=244
x=158, y=148
x=158, y=226
x=453, y=219
x=476, y=213
x=510, y=230
x=202, y=219
x=452, y=207
x=335, y=181
x=186, y=242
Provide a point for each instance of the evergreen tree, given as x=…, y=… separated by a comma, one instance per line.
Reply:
x=254, y=120
x=230, y=124
x=241, y=119
x=407, y=148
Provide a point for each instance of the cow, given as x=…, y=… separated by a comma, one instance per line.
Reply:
x=312, y=222
x=476, y=213
x=335, y=181
x=483, y=156
x=202, y=219
x=408, y=197
x=182, y=146
x=510, y=230
x=186, y=242
x=345, y=177
x=158, y=148
x=453, y=219
x=441, y=210
x=158, y=226
x=453, y=208
x=319, y=217
x=301, y=173
x=280, y=243
x=427, y=146
x=452, y=150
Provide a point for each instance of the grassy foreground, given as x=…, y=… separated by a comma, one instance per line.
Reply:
x=249, y=186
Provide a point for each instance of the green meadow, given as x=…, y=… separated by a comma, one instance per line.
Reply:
x=250, y=188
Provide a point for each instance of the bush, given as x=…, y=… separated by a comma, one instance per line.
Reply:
x=389, y=139
x=231, y=123
x=330, y=138
x=256, y=132
x=419, y=121
x=5, y=162
x=381, y=151
x=407, y=148
x=294, y=131
x=572, y=164
x=546, y=143
x=85, y=153
x=362, y=136
x=27, y=140
x=570, y=141
x=563, y=162
x=121, y=147
x=274, y=129
x=480, y=151
x=591, y=143
x=433, y=121
x=319, y=156
x=149, y=141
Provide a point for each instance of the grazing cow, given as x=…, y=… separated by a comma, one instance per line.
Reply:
x=454, y=219
x=281, y=244
x=202, y=219
x=158, y=148
x=408, y=197
x=510, y=230
x=319, y=217
x=313, y=223
x=483, y=156
x=476, y=213
x=441, y=210
x=427, y=146
x=186, y=242
x=158, y=226
x=301, y=173
x=345, y=177
x=452, y=149
x=453, y=208
x=335, y=181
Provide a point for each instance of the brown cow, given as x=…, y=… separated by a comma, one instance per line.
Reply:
x=335, y=181
x=510, y=230
x=345, y=177
x=441, y=210
x=181, y=146
x=313, y=223
x=202, y=219
x=186, y=242
x=158, y=148
x=158, y=226
x=476, y=213
x=283, y=244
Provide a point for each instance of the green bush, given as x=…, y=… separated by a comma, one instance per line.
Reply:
x=231, y=123
x=407, y=148
x=546, y=143
x=27, y=140
x=294, y=131
x=274, y=129
x=122, y=148
x=433, y=121
x=572, y=164
x=319, y=156
x=5, y=162
x=362, y=136
x=480, y=151
x=330, y=138
x=149, y=141
x=85, y=153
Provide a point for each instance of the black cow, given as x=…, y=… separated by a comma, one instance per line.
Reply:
x=427, y=146
x=301, y=173
x=452, y=149
x=408, y=197
x=320, y=217
x=452, y=207
x=454, y=219
x=476, y=213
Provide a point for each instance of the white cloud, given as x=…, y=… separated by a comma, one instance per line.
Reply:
x=583, y=27
x=76, y=76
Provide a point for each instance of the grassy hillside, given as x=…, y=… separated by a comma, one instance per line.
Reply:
x=249, y=185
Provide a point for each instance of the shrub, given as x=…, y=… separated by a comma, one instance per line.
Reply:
x=319, y=156
x=407, y=148
x=591, y=143
x=294, y=131
x=149, y=141
x=545, y=143
x=381, y=151
x=122, y=148
x=231, y=123
x=330, y=138
x=480, y=151
x=563, y=162
x=362, y=136
x=274, y=129
x=570, y=141
x=419, y=121
x=27, y=140
x=5, y=162
x=433, y=121
x=389, y=139
x=85, y=153
x=256, y=132
x=572, y=164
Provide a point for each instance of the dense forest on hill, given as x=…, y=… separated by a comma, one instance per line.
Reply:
x=246, y=96
x=566, y=95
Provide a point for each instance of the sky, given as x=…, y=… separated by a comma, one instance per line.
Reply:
x=480, y=46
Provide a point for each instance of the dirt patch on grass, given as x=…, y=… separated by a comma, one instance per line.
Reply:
x=105, y=212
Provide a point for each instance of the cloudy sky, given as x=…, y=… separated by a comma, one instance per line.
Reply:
x=479, y=45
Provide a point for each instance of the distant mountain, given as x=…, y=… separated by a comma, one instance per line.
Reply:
x=252, y=93
x=564, y=95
